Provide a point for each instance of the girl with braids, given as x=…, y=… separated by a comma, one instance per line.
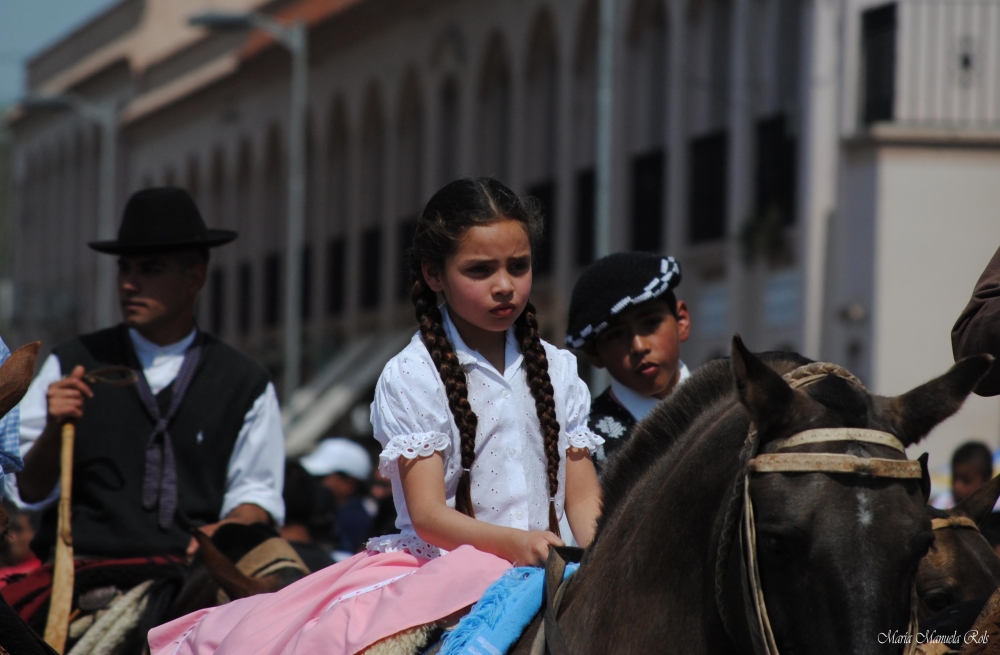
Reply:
x=484, y=433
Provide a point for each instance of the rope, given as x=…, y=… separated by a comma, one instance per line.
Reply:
x=954, y=522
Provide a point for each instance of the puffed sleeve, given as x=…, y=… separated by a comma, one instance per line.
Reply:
x=577, y=404
x=410, y=415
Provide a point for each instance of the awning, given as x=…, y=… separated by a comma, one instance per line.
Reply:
x=314, y=408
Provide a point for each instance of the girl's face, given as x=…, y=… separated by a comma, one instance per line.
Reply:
x=487, y=280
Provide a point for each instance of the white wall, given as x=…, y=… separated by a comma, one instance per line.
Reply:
x=937, y=227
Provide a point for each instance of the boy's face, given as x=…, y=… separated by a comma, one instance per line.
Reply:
x=641, y=347
x=965, y=478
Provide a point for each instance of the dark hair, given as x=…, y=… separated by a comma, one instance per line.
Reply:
x=301, y=495
x=454, y=209
x=976, y=453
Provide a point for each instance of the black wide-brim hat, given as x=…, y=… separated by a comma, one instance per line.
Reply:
x=611, y=285
x=162, y=219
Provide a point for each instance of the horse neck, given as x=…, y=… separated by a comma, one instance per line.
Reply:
x=677, y=509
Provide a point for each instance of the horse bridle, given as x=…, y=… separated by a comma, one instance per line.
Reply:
x=773, y=461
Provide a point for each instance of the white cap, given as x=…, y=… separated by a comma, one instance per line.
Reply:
x=338, y=456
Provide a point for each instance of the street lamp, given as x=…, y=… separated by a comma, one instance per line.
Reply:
x=605, y=131
x=105, y=115
x=294, y=37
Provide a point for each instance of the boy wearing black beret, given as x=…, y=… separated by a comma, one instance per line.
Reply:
x=624, y=317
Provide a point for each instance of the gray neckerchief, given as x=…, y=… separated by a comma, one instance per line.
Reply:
x=159, y=486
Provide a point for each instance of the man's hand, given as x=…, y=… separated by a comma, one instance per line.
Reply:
x=66, y=398
x=246, y=514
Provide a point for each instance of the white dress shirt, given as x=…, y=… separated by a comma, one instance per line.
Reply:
x=638, y=405
x=411, y=419
x=256, y=470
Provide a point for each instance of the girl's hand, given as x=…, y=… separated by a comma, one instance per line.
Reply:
x=530, y=547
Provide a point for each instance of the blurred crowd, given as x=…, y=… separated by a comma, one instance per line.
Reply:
x=335, y=500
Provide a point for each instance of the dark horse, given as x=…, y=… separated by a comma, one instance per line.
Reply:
x=837, y=553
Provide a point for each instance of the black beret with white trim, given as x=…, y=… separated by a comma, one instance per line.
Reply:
x=611, y=285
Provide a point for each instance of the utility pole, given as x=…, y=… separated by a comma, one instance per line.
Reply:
x=605, y=126
x=295, y=38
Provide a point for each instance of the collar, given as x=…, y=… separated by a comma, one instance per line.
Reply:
x=467, y=356
x=147, y=351
x=640, y=406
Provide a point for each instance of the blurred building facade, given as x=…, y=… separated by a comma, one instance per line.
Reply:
x=828, y=173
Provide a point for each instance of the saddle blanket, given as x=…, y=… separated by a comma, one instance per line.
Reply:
x=500, y=617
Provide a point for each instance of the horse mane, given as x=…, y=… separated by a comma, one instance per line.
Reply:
x=666, y=427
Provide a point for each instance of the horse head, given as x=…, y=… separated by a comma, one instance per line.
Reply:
x=838, y=548
x=960, y=565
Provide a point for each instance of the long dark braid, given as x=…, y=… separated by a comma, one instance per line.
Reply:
x=434, y=337
x=536, y=366
x=449, y=214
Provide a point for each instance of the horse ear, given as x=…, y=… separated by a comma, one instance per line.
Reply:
x=979, y=504
x=925, y=477
x=916, y=412
x=15, y=375
x=225, y=574
x=762, y=391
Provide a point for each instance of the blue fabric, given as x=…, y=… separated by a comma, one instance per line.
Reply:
x=501, y=615
x=10, y=434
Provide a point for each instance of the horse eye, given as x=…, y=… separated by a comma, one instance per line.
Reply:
x=779, y=544
x=938, y=600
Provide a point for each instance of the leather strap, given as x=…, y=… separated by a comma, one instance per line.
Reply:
x=555, y=588
x=836, y=463
x=954, y=522
x=824, y=435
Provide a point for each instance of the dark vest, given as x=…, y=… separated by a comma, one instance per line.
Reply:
x=110, y=454
x=612, y=422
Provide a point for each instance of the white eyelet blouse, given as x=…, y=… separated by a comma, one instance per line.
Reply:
x=411, y=419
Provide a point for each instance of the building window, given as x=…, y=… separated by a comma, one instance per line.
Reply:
x=272, y=290
x=218, y=309
x=878, y=44
x=775, y=169
x=709, y=182
x=371, y=267
x=335, y=257
x=246, y=298
x=647, y=201
x=307, y=285
x=407, y=227
x=585, y=216
x=543, y=252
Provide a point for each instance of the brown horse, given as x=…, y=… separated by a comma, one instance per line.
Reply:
x=960, y=565
x=837, y=553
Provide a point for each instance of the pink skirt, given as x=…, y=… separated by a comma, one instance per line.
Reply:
x=340, y=610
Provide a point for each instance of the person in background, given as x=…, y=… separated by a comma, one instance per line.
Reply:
x=384, y=521
x=344, y=468
x=624, y=317
x=971, y=468
x=16, y=557
x=304, y=526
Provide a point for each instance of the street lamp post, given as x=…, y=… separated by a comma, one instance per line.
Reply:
x=105, y=115
x=294, y=37
x=604, y=134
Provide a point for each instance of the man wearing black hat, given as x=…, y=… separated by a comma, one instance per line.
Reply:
x=624, y=317
x=196, y=441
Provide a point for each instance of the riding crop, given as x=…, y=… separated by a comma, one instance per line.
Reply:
x=63, y=573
